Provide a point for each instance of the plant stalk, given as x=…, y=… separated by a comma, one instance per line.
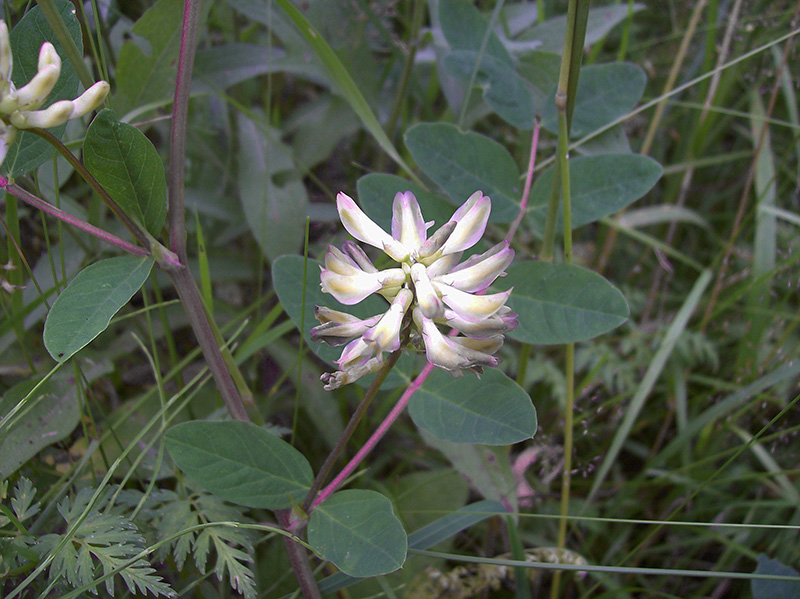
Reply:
x=140, y=234
x=376, y=436
x=44, y=206
x=298, y=557
x=177, y=140
x=341, y=442
x=577, y=15
x=198, y=319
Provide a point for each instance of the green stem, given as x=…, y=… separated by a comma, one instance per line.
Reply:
x=565, y=101
x=74, y=55
x=549, y=235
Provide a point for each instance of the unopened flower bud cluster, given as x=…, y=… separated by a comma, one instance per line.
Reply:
x=20, y=108
x=430, y=293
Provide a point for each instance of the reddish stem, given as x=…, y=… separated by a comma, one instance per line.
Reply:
x=523, y=206
x=101, y=234
x=376, y=436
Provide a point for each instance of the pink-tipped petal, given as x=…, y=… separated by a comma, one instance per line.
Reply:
x=386, y=334
x=478, y=272
x=450, y=353
x=363, y=228
x=427, y=298
x=408, y=226
x=471, y=307
x=351, y=289
x=471, y=219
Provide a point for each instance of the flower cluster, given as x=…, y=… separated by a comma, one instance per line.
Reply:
x=19, y=108
x=428, y=290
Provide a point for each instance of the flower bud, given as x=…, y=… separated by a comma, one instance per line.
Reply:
x=48, y=56
x=6, y=59
x=90, y=100
x=33, y=95
x=52, y=116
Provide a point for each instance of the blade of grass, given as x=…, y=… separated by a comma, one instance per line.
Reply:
x=770, y=465
x=652, y=374
x=346, y=84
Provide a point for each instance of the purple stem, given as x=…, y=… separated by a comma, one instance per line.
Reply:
x=101, y=234
x=528, y=180
x=298, y=557
x=376, y=436
x=180, y=111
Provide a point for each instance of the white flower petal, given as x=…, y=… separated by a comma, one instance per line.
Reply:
x=360, y=226
x=33, y=95
x=90, y=100
x=427, y=298
x=471, y=219
x=478, y=272
x=48, y=56
x=408, y=226
x=351, y=289
x=337, y=261
x=471, y=307
x=338, y=328
x=334, y=380
x=386, y=334
x=354, y=251
x=52, y=116
x=450, y=353
x=494, y=326
x=6, y=58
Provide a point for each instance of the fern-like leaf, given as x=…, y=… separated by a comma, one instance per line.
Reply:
x=103, y=541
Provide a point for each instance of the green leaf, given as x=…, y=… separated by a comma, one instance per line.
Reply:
x=287, y=278
x=420, y=497
x=53, y=415
x=358, y=531
x=432, y=534
x=464, y=28
x=376, y=193
x=488, y=469
x=86, y=306
x=605, y=93
x=127, y=165
x=28, y=150
x=240, y=462
x=561, y=303
x=146, y=74
x=774, y=589
x=463, y=163
x=600, y=186
x=492, y=411
x=276, y=214
x=504, y=91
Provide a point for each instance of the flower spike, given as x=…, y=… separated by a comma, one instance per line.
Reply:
x=429, y=290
